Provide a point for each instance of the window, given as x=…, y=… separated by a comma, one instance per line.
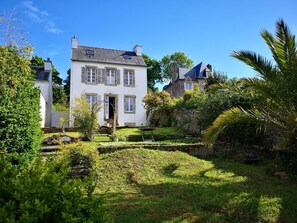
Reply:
x=90, y=52
x=188, y=86
x=92, y=99
x=110, y=76
x=91, y=74
x=129, y=104
x=129, y=78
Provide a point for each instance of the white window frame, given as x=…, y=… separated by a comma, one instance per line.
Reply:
x=111, y=76
x=188, y=86
x=91, y=74
x=130, y=104
x=129, y=78
x=92, y=99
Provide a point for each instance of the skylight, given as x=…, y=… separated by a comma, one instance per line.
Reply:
x=90, y=52
x=126, y=56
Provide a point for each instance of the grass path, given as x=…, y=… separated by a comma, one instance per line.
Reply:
x=157, y=186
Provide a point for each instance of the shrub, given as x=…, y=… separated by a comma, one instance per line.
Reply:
x=85, y=117
x=43, y=192
x=20, y=132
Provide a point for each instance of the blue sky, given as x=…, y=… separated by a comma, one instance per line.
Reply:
x=205, y=31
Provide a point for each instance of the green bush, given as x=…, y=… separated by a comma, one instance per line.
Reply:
x=20, y=132
x=43, y=192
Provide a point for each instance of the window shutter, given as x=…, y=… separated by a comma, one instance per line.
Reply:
x=99, y=76
x=118, y=80
x=104, y=76
x=133, y=79
x=83, y=75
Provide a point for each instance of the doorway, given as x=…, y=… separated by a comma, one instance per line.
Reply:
x=110, y=106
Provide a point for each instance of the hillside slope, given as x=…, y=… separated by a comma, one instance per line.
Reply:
x=157, y=186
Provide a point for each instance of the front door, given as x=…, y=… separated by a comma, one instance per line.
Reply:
x=110, y=106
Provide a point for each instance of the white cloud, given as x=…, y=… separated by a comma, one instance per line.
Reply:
x=53, y=50
x=40, y=16
x=51, y=28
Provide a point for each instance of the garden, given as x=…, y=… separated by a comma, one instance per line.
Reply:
x=120, y=177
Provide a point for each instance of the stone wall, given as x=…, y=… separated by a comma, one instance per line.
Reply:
x=186, y=119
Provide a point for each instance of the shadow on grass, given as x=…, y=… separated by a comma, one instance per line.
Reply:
x=206, y=197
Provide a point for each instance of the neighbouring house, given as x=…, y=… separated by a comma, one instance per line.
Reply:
x=185, y=78
x=43, y=81
x=117, y=79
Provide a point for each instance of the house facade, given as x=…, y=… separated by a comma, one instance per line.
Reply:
x=43, y=81
x=185, y=78
x=116, y=79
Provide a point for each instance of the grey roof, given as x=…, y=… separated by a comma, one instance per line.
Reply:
x=40, y=73
x=199, y=71
x=106, y=56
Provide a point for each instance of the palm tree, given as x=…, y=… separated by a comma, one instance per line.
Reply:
x=275, y=88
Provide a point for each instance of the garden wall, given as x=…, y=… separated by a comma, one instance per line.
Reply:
x=186, y=119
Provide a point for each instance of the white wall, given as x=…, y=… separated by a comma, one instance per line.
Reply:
x=56, y=118
x=140, y=90
x=42, y=111
x=45, y=92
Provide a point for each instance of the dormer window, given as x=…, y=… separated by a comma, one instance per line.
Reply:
x=126, y=56
x=90, y=52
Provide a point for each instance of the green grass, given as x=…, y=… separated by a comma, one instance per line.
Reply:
x=157, y=186
x=157, y=131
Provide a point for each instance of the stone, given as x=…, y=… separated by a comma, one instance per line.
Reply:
x=65, y=139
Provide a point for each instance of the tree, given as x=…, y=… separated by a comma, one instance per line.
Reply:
x=179, y=58
x=158, y=106
x=67, y=85
x=20, y=131
x=216, y=77
x=59, y=96
x=153, y=72
x=275, y=89
x=85, y=117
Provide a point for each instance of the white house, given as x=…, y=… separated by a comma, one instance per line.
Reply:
x=117, y=79
x=43, y=81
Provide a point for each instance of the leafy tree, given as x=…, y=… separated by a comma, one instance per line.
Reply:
x=158, y=106
x=59, y=96
x=216, y=77
x=20, y=131
x=67, y=85
x=85, y=117
x=153, y=72
x=179, y=58
x=276, y=87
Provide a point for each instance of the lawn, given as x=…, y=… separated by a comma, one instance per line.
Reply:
x=157, y=186
x=157, y=131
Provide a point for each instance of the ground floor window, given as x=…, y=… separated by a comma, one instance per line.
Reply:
x=129, y=104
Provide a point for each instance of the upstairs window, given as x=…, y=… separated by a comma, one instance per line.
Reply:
x=129, y=78
x=111, y=76
x=91, y=74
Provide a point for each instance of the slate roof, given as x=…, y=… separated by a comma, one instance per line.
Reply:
x=106, y=56
x=199, y=71
x=40, y=73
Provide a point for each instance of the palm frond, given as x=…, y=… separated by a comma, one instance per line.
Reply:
x=228, y=118
x=261, y=65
